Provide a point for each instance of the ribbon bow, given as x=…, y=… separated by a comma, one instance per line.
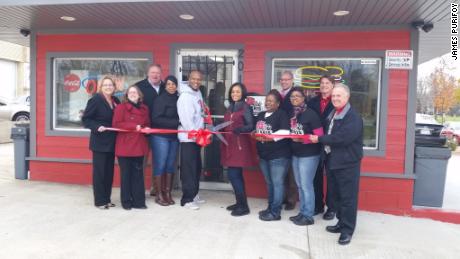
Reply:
x=202, y=136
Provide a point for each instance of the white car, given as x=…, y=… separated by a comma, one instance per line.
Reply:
x=15, y=110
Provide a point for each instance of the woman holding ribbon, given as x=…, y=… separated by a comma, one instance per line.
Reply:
x=237, y=153
x=305, y=154
x=164, y=116
x=274, y=153
x=98, y=117
x=131, y=147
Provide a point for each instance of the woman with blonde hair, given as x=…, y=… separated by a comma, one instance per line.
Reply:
x=98, y=117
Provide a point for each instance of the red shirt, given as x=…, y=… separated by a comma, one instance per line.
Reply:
x=323, y=103
x=339, y=110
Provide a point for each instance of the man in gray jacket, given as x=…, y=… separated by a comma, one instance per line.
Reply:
x=190, y=108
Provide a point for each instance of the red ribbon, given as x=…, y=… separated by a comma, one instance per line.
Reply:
x=307, y=136
x=202, y=136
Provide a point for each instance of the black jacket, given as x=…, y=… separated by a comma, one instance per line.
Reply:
x=345, y=140
x=315, y=104
x=149, y=93
x=286, y=104
x=164, y=114
x=98, y=113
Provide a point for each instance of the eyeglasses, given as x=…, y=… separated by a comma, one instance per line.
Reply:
x=284, y=79
x=107, y=85
x=295, y=96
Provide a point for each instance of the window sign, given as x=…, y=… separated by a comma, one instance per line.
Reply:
x=362, y=75
x=75, y=80
x=399, y=59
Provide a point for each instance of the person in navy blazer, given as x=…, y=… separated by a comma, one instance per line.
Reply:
x=98, y=117
x=343, y=145
x=322, y=105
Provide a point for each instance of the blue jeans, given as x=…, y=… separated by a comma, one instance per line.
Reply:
x=304, y=172
x=274, y=172
x=235, y=176
x=164, y=152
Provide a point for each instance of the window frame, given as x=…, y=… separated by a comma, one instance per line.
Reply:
x=50, y=118
x=382, y=91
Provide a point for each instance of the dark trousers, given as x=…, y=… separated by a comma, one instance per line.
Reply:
x=318, y=184
x=190, y=170
x=346, y=185
x=103, y=163
x=290, y=188
x=235, y=176
x=132, y=190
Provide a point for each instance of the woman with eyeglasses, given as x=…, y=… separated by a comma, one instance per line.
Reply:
x=131, y=147
x=305, y=154
x=97, y=117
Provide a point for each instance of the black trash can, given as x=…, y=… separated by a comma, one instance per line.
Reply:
x=20, y=137
x=430, y=171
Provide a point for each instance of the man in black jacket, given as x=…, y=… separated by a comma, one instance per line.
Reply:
x=322, y=105
x=151, y=88
x=343, y=145
x=290, y=187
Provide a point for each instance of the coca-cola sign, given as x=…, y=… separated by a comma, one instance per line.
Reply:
x=71, y=83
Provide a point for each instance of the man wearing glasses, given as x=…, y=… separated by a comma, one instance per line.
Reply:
x=290, y=187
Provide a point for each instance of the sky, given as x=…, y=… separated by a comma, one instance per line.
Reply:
x=425, y=69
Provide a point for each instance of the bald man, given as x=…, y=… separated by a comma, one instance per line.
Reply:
x=343, y=145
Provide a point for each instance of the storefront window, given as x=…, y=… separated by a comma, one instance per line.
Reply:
x=75, y=81
x=362, y=75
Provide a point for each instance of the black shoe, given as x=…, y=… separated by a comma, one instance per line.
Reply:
x=293, y=218
x=111, y=205
x=265, y=211
x=126, y=207
x=344, y=239
x=143, y=207
x=240, y=211
x=304, y=221
x=333, y=229
x=232, y=207
x=329, y=215
x=289, y=206
x=269, y=217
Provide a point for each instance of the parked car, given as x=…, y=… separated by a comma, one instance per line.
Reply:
x=15, y=110
x=452, y=130
x=428, y=131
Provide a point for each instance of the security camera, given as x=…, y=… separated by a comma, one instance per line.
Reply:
x=422, y=25
x=24, y=32
x=427, y=27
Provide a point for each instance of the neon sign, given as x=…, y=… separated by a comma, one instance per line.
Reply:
x=308, y=76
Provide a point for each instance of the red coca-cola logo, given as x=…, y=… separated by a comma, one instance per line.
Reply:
x=71, y=83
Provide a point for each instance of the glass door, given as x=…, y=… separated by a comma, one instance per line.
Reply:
x=220, y=71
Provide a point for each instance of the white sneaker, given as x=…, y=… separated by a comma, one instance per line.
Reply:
x=198, y=200
x=191, y=205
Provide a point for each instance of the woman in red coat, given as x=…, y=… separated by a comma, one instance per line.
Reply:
x=131, y=147
x=237, y=154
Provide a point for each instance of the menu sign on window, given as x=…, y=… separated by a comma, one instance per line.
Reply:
x=399, y=59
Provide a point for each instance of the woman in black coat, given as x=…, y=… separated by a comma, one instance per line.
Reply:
x=98, y=117
x=164, y=146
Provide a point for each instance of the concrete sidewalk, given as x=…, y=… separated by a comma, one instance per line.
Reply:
x=46, y=220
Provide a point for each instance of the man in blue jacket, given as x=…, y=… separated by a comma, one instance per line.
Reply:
x=343, y=145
